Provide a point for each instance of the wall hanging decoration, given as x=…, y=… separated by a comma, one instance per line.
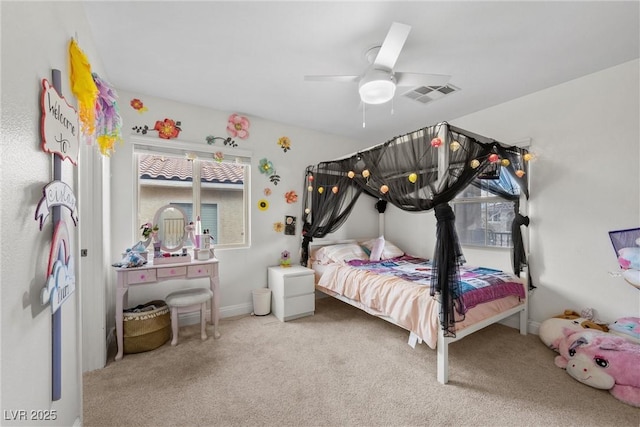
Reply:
x=238, y=126
x=278, y=227
x=60, y=136
x=285, y=143
x=263, y=204
x=227, y=141
x=266, y=168
x=60, y=272
x=108, y=120
x=291, y=196
x=290, y=225
x=83, y=87
x=138, y=105
x=58, y=124
x=56, y=193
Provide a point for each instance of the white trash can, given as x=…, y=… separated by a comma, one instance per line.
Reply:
x=261, y=301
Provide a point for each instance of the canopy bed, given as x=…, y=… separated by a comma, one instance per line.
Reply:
x=419, y=171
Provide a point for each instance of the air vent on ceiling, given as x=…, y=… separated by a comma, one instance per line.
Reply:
x=426, y=94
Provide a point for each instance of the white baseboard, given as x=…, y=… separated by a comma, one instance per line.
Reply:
x=513, y=322
x=534, y=328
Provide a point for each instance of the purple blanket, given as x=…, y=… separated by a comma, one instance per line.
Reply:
x=477, y=284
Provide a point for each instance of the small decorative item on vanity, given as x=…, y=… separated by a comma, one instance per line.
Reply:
x=149, y=232
x=285, y=259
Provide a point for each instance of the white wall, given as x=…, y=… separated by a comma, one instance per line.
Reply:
x=35, y=40
x=584, y=183
x=241, y=270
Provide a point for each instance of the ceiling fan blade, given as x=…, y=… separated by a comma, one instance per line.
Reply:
x=419, y=79
x=392, y=45
x=339, y=79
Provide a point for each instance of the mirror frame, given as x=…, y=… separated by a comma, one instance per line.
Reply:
x=156, y=220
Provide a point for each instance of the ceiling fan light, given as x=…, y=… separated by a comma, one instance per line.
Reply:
x=377, y=87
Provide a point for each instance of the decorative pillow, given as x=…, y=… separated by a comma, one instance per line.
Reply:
x=390, y=250
x=376, y=249
x=340, y=253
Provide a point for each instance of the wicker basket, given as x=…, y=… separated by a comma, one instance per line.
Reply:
x=146, y=330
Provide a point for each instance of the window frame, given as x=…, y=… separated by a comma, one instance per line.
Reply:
x=481, y=200
x=148, y=145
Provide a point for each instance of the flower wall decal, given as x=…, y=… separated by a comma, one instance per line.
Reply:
x=138, y=105
x=141, y=129
x=227, y=141
x=263, y=204
x=291, y=196
x=266, y=167
x=167, y=128
x=238, y=126
x=267, y=191
x=285, y=143
x=218, y=156
x=278, y=227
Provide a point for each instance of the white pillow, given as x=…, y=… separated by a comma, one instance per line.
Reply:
x=340, y=253
x=390, y=250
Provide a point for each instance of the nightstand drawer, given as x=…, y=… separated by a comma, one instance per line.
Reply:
x=298, y=285
x=299, y=306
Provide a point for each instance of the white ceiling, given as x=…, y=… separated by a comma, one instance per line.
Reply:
x=250, y=57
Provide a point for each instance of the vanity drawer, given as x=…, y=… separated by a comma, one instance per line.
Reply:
x=142, y=276
x=172, y=271
x=199, y=270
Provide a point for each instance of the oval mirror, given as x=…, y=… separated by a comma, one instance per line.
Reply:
x=171, y=222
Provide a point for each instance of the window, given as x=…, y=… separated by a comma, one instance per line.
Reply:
x=216, y=191
x=483, y=219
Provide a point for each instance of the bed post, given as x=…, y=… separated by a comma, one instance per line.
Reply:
x=524, y=314
x=442, y=350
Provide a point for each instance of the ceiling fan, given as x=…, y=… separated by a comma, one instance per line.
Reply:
x=378, y=83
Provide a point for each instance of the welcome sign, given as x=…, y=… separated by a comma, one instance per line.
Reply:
x=59, y=124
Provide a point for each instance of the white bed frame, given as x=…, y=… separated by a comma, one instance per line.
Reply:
x=442, y=346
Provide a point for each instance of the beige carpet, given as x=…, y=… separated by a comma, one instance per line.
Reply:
x=342, y=367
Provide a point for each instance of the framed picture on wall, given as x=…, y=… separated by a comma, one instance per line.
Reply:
x=628, y=238
x=290, y=225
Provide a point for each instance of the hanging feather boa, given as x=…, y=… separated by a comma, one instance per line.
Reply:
x=108, y=120
x=83, y=87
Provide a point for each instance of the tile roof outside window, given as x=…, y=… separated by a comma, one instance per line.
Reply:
x=180, y=169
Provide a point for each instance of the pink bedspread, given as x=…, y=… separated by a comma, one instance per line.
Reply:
x=407, y=304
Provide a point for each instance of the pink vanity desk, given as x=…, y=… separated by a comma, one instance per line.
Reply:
x=149, y=274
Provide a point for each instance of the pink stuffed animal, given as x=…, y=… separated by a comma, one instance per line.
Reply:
x=604, y=361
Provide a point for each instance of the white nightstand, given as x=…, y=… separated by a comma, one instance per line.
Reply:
x=292, y=292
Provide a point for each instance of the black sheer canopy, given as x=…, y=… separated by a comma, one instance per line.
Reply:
x=419, y=171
